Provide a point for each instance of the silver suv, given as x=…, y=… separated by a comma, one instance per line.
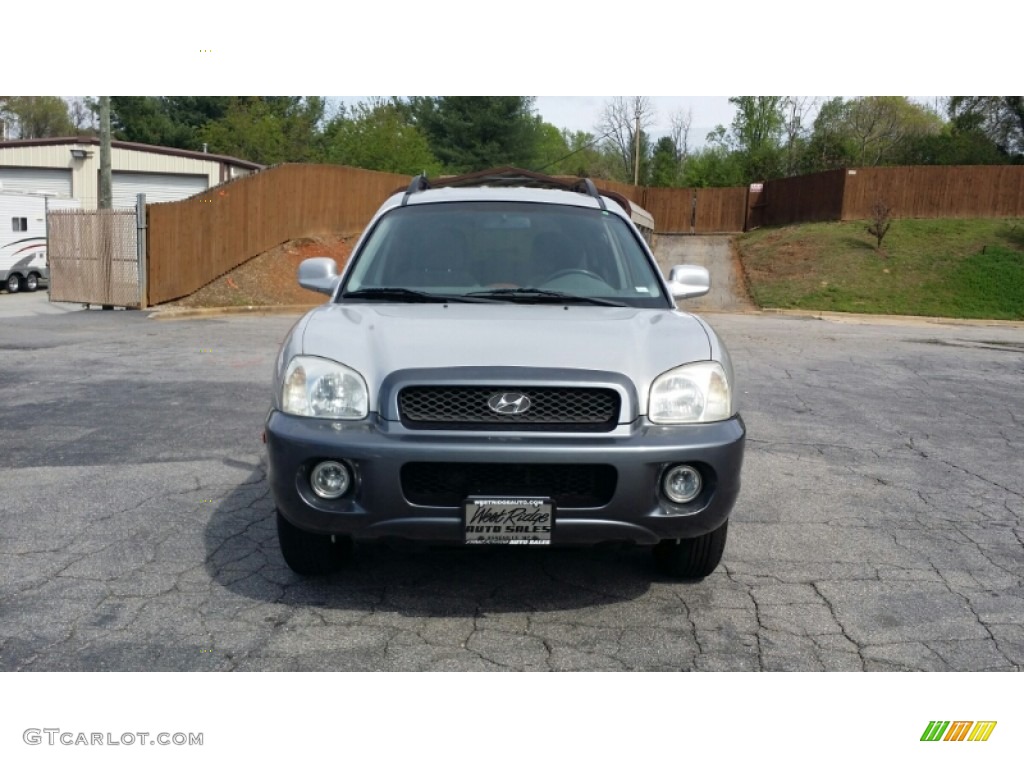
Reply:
x=502, y=363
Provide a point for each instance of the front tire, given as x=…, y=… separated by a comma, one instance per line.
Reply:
x=691, y=558
x=13, y=283
x=32, y=282
x=311, y=554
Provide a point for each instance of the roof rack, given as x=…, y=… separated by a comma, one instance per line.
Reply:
x=418, y=184
x=506, y=176
x=590, y=189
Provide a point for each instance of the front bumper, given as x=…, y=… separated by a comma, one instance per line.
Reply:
x=376, y=506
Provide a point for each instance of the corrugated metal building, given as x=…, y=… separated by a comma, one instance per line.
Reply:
x=69, y=167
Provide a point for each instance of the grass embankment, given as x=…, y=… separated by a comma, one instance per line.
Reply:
x=969, y=268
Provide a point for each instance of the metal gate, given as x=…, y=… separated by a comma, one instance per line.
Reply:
x=95, y=258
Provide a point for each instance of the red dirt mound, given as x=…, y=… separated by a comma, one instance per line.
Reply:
x=270, y=278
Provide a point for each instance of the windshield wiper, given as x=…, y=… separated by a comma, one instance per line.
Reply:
x=539, y=295
x=407, y=295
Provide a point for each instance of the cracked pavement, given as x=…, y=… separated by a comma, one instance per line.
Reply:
x=880, y=525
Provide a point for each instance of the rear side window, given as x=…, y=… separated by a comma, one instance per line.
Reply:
x=19, y=224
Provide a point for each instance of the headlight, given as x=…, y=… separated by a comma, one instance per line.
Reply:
x=690, y=394
x=324, y=389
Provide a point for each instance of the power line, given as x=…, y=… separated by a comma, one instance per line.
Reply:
x=575, y=151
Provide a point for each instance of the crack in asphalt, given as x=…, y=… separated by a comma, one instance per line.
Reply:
x=835, y=618
x=977, y=617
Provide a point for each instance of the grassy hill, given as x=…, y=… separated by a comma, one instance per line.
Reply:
x=970, y=268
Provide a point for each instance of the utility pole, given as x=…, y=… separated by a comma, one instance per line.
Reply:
x=106, y=203
x=106, y=200
x=636, y=154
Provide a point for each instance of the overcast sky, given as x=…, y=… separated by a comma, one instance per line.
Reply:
x=583, y=113
x=535, y=47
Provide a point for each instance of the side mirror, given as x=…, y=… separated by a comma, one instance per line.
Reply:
x=320, y=274
x=688, y=280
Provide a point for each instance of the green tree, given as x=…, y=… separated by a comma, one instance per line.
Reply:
x=550, y=148
x=880, y=126
x=148, y=120
x=757, y=130
x=37, y=117
x=1000, y=118
x=268, y=129
x=582, y=157
x=952, y=147
x=471, y=133
x=251, y=127
x=303, y=120
x=665, y=170
x=379, y=136
x=196, y=110
x=250, y=130
x=714, y=166
x=830, y=145
x=873, y=130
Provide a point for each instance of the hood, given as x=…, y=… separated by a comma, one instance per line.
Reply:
x=379, y=339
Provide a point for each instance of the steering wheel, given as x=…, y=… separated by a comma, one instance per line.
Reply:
x=574, y=271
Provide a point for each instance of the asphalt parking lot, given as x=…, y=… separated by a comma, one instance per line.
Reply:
x=880, y=526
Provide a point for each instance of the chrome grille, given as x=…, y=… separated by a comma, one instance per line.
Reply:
x=551, y=408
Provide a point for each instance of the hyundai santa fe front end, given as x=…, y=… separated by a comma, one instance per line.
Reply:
x=502, y=363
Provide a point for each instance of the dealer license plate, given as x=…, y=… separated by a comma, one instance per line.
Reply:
x=509, y=520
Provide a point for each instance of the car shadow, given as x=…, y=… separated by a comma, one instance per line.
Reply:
x=242, y=555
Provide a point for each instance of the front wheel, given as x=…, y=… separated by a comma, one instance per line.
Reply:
x=691, y=558
x=311, y=554
x=13, y=283
x=32, y=282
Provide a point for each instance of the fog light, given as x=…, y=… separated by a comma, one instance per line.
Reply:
x=330, y=479
x=681, y=484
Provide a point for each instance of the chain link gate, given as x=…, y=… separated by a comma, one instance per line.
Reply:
x=95, y=258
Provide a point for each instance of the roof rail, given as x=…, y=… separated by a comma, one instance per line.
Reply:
x=590, y=189
x=418, y=184
x=511, y=176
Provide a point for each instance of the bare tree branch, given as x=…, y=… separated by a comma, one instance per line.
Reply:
x=680, y=122
x=796, y=112
x=619, y=121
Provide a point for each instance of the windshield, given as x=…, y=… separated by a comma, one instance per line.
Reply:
x=503, y=251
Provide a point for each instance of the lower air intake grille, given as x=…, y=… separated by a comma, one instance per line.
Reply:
x=444, y=484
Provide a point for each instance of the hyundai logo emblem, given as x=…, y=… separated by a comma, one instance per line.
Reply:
x=509, y=403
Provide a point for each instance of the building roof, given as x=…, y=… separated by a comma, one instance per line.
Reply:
x=79, y=140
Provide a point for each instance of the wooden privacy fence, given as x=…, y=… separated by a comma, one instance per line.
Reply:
x=195, y=241
x=935, y=191
x=698, y=211
x=93, y=257
x=815, y=197
x=913, y=192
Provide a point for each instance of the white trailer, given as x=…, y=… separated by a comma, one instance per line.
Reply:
x=23, y=263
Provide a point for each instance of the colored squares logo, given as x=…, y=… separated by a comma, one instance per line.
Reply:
x=958, y=730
